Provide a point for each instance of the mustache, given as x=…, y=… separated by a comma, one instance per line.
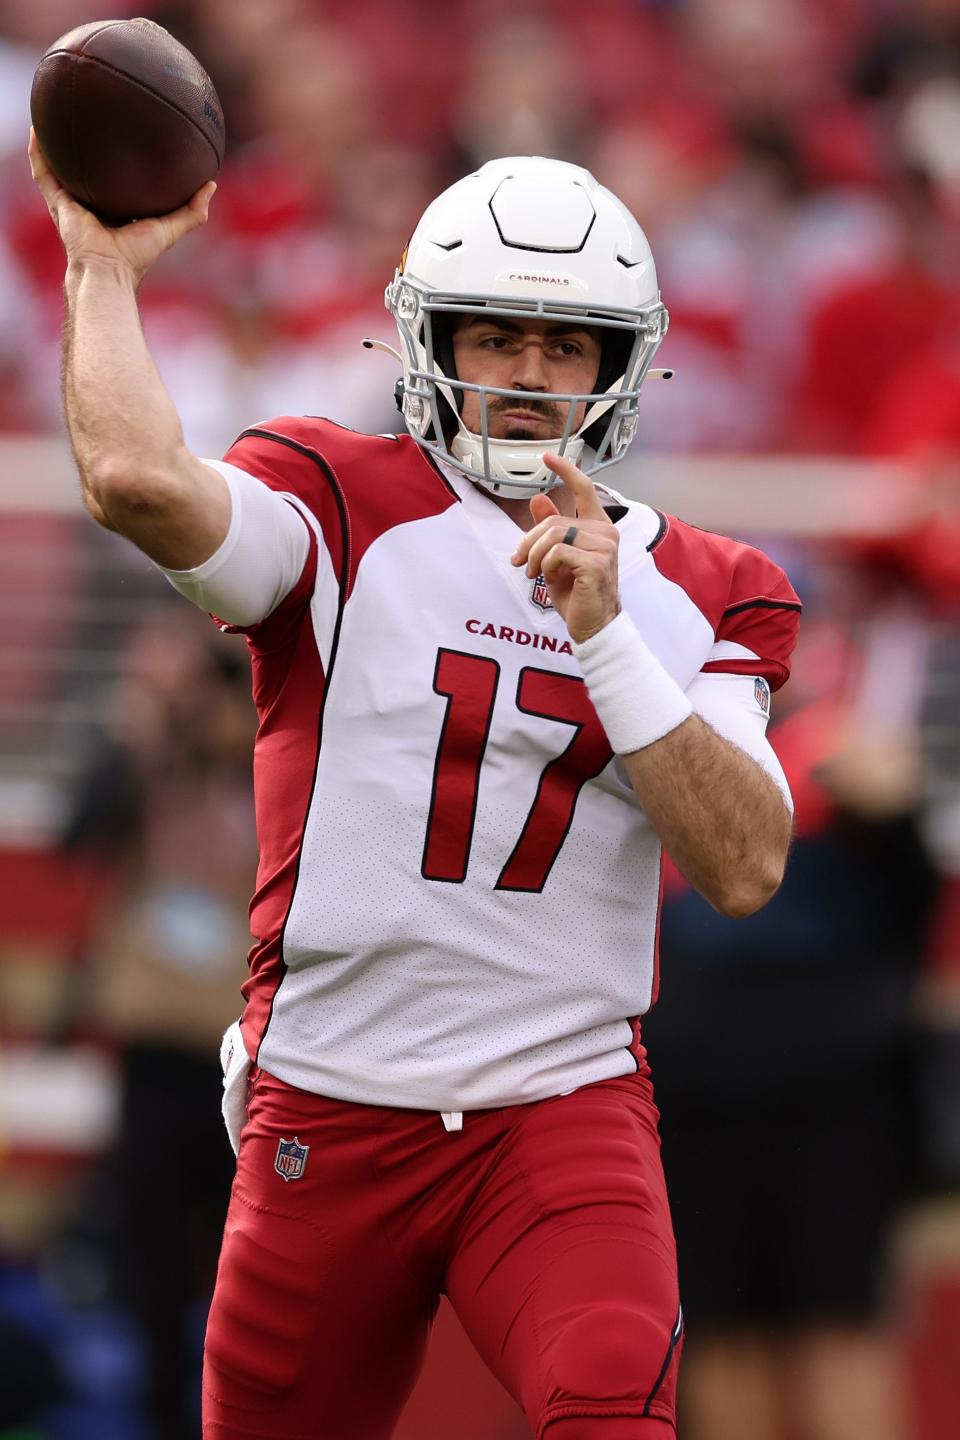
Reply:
x=543, y=409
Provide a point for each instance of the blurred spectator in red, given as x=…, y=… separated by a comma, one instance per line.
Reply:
x=866, y=334
x=763, y=145
x=524, y=93
x=760, y=59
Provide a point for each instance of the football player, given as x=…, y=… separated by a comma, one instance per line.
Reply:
x=490, y=691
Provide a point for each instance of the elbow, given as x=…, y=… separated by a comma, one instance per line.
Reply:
x=114, y=489
x=746, y=893
x=107, y=485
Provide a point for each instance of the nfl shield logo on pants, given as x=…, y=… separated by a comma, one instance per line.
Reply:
x=291, y=1159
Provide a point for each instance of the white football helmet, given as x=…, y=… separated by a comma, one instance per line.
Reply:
x=525, y=238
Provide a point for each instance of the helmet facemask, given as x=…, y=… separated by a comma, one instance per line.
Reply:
x=433, y=395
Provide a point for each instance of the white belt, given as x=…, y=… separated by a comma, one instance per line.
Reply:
x=235, y=1063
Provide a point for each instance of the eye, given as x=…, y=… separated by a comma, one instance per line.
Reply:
x=568, y=349
x=495, y=342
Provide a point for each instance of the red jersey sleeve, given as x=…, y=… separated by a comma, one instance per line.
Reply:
x=765, y=621
x=745, y=596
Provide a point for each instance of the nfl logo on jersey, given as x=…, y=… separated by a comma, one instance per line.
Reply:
x=540, y=595
x=291, y=1159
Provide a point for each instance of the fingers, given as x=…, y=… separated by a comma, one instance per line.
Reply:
x=196, y=210
x=580, y=486
x=589, y=512
x=180, y=222
x=201, y=201
x=560, y=557
x=553, y=538
x=552, y=529
x=47, y=183
x=542, y=507
x=35, y=155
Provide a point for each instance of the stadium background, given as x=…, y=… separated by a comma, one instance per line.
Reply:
x=797, y=167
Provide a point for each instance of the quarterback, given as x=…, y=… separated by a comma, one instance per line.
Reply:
x=490, y=692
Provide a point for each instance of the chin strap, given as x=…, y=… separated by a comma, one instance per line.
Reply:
x=517, y=466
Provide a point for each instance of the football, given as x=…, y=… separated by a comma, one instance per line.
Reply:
x=127, y=118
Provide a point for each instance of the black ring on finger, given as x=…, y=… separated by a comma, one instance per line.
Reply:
x=570, y=536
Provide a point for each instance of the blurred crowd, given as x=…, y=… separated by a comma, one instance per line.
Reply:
x=796, y=164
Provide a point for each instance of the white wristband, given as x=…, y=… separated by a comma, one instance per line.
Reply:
x=635, y=698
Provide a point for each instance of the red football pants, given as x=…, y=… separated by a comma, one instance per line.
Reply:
x=546, y=1225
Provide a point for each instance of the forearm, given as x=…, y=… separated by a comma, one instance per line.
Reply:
x=137, y=475
x=720, y=817
x=119, y=416
x=719, y=814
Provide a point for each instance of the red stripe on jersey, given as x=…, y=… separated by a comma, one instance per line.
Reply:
x=745, y=597
x=289, y=688
x=284, y=464
x=636, y=1047
x=288, y=691
x=655, y=988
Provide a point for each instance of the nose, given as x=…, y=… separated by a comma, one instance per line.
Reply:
x=530, y=370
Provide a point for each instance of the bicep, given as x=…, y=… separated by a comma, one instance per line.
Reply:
x=259, y=559
x=730, y=705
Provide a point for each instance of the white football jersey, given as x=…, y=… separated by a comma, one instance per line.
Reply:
x=458, y=895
